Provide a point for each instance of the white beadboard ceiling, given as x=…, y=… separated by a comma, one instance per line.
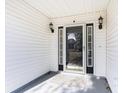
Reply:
x=61, y=8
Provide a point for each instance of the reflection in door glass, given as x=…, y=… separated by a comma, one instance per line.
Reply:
x=74, y=48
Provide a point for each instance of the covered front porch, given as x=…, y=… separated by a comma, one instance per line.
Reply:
x=61, y=46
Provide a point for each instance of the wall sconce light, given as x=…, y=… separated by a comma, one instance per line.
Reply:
x=51, y=27
x=100, y=22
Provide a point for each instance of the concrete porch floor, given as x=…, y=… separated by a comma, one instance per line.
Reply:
x=65, y=83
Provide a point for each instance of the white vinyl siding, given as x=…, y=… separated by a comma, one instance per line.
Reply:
x=27, y=44
x=112, y=45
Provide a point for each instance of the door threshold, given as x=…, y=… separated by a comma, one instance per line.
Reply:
x=74, y=71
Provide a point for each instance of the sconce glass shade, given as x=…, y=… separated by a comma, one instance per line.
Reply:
x=100, y=20
x=100, y=26
x=51, y=25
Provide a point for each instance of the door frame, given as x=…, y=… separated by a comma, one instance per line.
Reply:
x=83, y=46
x=64, y=46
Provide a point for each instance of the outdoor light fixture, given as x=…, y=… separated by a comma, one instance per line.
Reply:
x=100, y=22
x=51, y=27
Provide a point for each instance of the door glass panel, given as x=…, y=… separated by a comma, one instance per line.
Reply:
x=89, y=54
x=60, y=52
x=89, y=30
x=89, y=38
x=90, y=61
x=89, y=46
x=74, y=48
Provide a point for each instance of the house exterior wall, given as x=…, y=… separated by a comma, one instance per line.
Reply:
x=99, y=39
x=112, y=45
x=28, y=44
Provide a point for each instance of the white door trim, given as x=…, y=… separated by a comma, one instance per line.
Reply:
x=64, y=45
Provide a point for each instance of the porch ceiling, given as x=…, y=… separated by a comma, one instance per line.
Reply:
x=61, y=8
